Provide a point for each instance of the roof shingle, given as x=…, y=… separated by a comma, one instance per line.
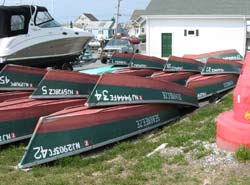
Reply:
x=198, y=7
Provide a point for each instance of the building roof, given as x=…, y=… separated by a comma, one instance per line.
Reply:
x=199, y=7
x=91, y=16
x=136, y=14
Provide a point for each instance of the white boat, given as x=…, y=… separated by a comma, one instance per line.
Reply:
x=30, y=36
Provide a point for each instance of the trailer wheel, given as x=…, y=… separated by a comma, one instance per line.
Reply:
x=67, y=67
x=104, y=60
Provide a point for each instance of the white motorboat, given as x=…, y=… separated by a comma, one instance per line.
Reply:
x=30, y=36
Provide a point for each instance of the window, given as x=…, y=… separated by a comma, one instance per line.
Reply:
x=17, y=22
x=142, y=30
x=43, y=17
x=44, y=20
x=191, y=33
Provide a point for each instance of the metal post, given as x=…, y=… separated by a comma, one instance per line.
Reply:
x=117, y=16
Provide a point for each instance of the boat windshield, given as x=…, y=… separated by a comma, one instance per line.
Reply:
x=118, y=42
x=44, y=20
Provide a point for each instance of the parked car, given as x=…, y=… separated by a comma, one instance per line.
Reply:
x=94, y=43
x=134, y=40
x=122, y=45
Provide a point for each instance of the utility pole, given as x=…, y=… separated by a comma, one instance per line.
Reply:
x=117, y=16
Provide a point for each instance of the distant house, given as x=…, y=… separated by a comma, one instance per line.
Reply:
x=138, y=23
x=102, y=29
x=84, y=20
x=196, y=26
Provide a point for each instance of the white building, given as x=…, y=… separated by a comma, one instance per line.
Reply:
x=178, y=27
x=138, y=23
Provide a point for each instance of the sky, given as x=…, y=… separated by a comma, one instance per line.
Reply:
x=65, y=11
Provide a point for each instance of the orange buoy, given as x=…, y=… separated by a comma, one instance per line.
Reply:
x=233, y=128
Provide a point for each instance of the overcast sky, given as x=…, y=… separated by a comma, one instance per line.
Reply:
x=67, y=10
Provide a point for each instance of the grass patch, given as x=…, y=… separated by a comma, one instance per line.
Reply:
x=201, y=152
x=178, y=159
x=243, y=154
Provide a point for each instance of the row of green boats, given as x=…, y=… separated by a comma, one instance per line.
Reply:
x=66, y=113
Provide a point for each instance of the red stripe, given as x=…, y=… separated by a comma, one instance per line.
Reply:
x=70, y=76
x=223, y=61
x=200, y=80
x=136, y=72
x=135, y=81
x=24, y=69
x=13, y=95
x=93, y=117
x=187, y=60
x=29, y=108
x=212, y=53
x=149, y=58
x=172, y=76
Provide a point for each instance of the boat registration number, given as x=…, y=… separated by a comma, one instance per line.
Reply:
x=42, y=153
x=107, y=97
x=60, y=92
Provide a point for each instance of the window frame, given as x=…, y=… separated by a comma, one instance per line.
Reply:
x=44, y=21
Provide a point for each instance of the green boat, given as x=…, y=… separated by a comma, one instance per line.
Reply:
x=121, y=59
x=65, y=84
x=231, y=54
x=118, y=89
x=19, y=78
x=143, y=61
x=221, y=66
x=19, y=116
x=76, y=130
x=180, y=64
x=213, y=85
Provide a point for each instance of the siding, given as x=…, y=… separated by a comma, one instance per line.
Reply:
x=214, y=35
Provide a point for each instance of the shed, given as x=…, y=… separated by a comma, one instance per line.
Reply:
x=178, y=27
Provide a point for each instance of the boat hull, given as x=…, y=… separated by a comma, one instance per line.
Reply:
x=19, y=78
x=230, y=54
x=65, y=84
x=143, y=61
x=19, y=117
x=4, y=96
x=221, y=66
x=84, y=130
x=121, y=59
x=179, y=64
x=178, y=77
x=49, y=53
x=120, y=89
x=136, y=72
x=207, y=86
